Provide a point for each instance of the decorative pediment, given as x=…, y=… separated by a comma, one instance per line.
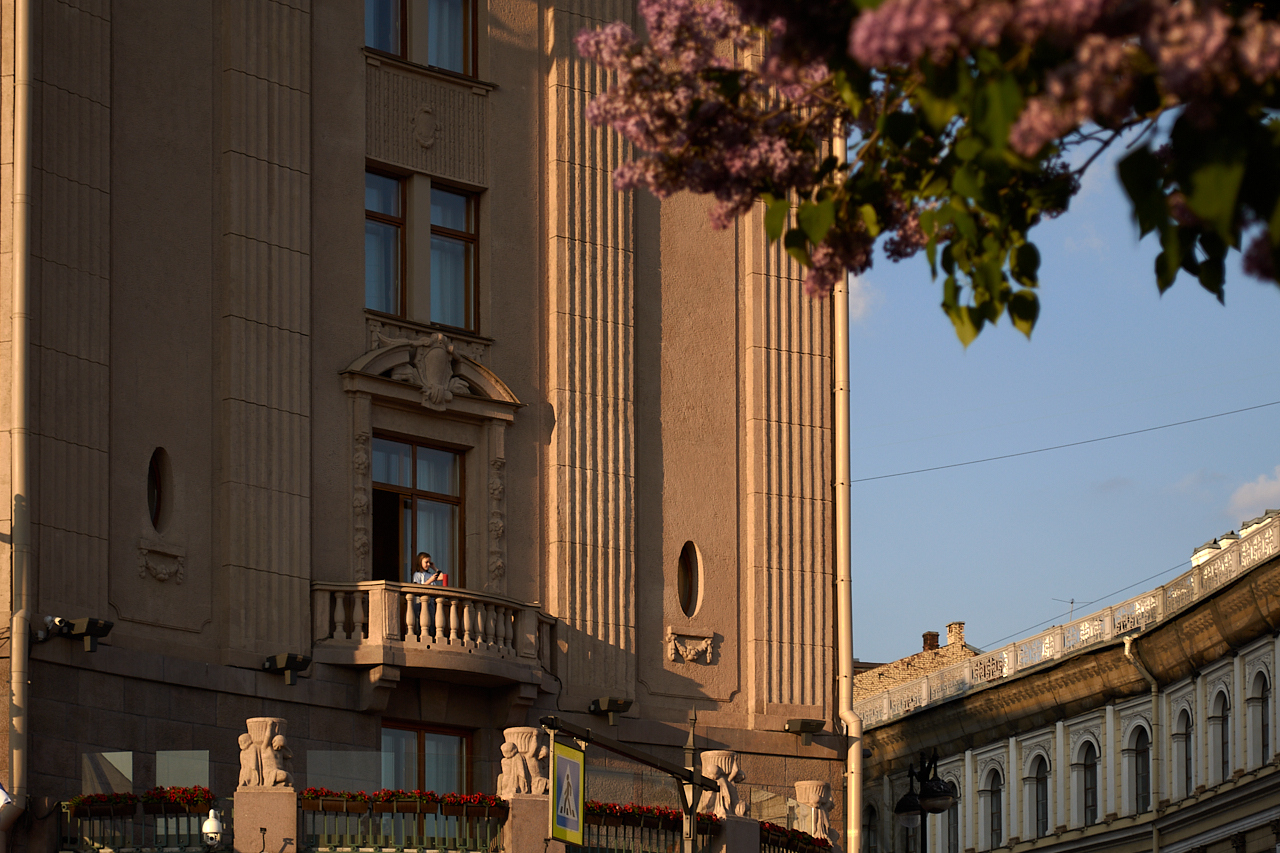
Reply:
x=431, y=363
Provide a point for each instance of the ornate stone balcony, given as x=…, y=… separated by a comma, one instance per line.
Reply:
x=380, y=623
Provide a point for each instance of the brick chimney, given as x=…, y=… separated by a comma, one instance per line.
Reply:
x=930, y=641
x=955, y=633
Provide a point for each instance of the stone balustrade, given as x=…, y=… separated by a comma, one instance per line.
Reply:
x=375, y=622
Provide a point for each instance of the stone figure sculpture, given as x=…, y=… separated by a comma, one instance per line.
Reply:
x=530, y=753
x=721, y=766
x=817, y=796
x=513, y=779
x=250, y=765
x=265, y=757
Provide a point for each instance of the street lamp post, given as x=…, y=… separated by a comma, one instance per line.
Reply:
x=935, y=797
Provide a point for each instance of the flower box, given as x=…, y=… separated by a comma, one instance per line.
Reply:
x=498, y=813
x=612, y=820
x=175, y=808
x=309, y=805
x=593, y=819
x=113, y=810
x=327, y=805
x=406, y=806
x=453, y=809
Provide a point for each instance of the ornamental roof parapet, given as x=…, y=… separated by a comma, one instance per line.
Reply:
x=1214, y=565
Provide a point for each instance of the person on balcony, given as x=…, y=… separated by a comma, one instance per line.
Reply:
x=426, y=573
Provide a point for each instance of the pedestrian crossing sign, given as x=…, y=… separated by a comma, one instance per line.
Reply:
x=567, y=766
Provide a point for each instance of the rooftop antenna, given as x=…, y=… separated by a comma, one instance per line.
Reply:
x=1072, y=602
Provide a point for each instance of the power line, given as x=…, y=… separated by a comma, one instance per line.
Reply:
x=1023, y=632
x=1062, y=446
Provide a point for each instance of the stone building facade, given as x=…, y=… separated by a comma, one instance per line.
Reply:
x=312, y=286
x=1148, y=726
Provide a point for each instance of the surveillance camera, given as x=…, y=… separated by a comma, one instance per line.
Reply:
x=55, y=623
x=212, y=829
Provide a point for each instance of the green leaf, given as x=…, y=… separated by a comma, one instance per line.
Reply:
x=868, y=214
x=1142, y=177
x=901, y=127
x=1024, y=308
x=996, y=108
x=1214, y=188
x=937, y=109
x=968, y=148
x=1212, y=275
x=797, y=246
x=775, y=215
x=967, y=321
x=1026, y=264
x=1168, y=261
x=816, y=219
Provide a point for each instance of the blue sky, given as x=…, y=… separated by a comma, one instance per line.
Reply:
x=994, y=544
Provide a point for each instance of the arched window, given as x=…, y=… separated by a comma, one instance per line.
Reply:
x=1182, y=740
x=1041, y=773
x=870, y=830
x=1259, y=707
x=1089, y=760
x=1141, y=771
x=953, y=828
x=1220, y=737
x=995, y=810
x=910, y=835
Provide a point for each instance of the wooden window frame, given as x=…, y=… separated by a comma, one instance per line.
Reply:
x=400, y=222
x=413, y=493
x=472, y=239
x=465, y=735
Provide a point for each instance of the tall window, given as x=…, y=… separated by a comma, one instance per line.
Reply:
x=953, y=828
x=1141, y=771
x=1188, y=754
x=423, y=759
x=383, y=243
x=1042, y=797
x=1265, y=726
x=1090, y=761
x=870, y=830
x=453, y=258
x=995, y=811
x=1221, y=722
x=909, y=836
x=417, y=506
x=439, y=33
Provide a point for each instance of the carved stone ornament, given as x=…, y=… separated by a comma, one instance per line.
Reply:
x=265, y=758
x=162, y=562
x=426, y=128
x=817, y=796
x=689, y=645
x=432, y=369
x=721, y=766
x=360, y=504
x=522, y=756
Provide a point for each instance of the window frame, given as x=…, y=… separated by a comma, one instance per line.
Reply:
x=472, y=240
x=408, y=43
x=467, y=737
x=870, y=829
x=1141, y=771
x=414, y=493
x=995, y=811
x=1040, y=772
x=401, y=224
x=1089, y=783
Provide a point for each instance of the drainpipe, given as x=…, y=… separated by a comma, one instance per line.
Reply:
x=1131, y=652
x=844, y=568
x=19, y=436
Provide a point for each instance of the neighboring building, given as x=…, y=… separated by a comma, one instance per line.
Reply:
x=313, y=288
x=1147, y=726
x=878, y=678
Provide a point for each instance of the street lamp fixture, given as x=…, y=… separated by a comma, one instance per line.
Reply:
x=935, y=797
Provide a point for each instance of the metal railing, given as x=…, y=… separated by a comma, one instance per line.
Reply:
x=131, y=832
x=477, y=829
x=1214, y=565
x=652, y=836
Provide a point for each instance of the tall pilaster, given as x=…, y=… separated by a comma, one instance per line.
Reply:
x=69, y=297
x=591, y=286
x=264, y=322
x=788, y=461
